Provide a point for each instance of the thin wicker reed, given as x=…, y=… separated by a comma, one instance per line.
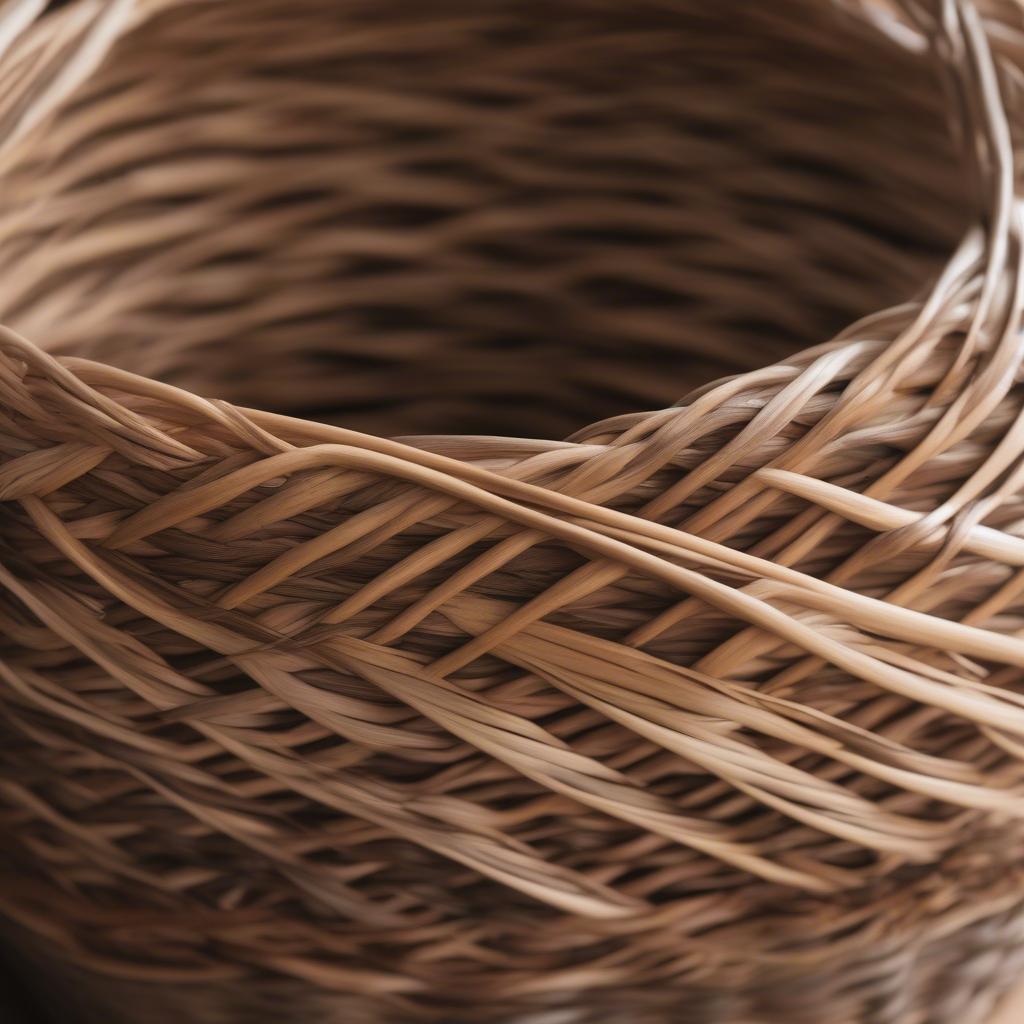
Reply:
x=711, y=714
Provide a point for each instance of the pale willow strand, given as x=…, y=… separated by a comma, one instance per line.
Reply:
x=708, y=714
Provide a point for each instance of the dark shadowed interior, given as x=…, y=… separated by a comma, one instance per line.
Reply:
x=426, y=235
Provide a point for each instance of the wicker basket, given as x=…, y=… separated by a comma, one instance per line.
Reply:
x=711, y=714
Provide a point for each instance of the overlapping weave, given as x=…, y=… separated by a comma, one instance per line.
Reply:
x=709, y=714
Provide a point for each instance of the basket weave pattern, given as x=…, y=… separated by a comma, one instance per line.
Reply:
x=707, y=714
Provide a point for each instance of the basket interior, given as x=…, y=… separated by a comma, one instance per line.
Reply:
x=463, y=218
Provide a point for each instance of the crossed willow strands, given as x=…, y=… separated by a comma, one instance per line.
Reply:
x=273, y=689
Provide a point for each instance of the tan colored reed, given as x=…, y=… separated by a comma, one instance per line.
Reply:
x=357, y=709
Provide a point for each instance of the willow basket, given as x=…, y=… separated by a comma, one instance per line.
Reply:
x=356, y=710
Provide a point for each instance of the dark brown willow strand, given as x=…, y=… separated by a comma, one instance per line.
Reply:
x=705, y=713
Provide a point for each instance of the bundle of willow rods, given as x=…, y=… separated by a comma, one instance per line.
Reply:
x=336, y=686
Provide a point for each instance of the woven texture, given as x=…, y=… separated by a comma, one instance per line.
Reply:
x=331, y=690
